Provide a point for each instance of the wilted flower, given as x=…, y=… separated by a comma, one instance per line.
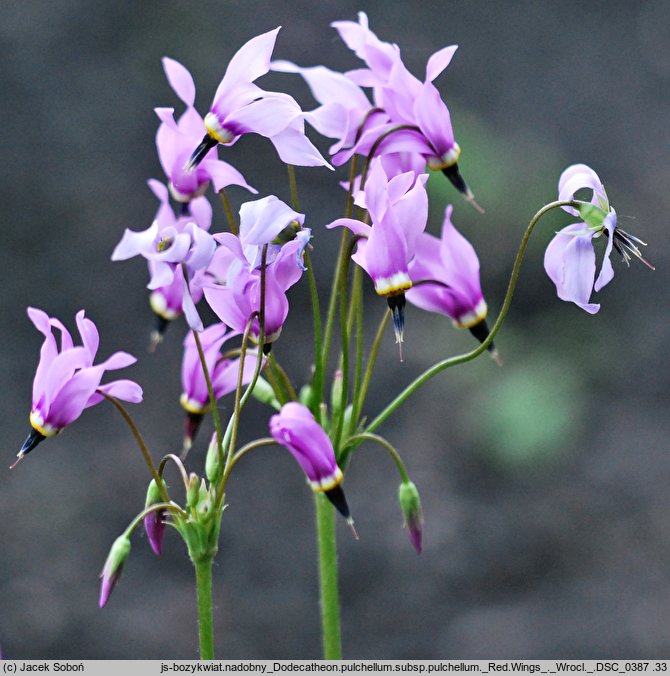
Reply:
x=570, y=258
x=449, y=270
x=296, y=429
x=241, y=107
x=175, y=142
x=111, y=572
x=66, y=381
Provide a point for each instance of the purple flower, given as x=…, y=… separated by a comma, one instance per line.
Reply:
x=170, y=245
x=236, y=292
x=111, y=572
x=176, y=140
x=452, y=265
x=222, y=372
x=66, y=381
x=570, y=258
x=399, y=209
x=241, y=107
x=296, y=429
x=407, y=101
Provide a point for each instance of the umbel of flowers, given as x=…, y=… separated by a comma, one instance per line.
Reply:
x=393, y=128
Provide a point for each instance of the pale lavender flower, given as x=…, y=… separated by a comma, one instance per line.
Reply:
x=449, y=270
x=570, y=258
x=66, y=381
x=296, y=429
x=398, y=209
x=175, y=141
x=223, y=374
x=241, y=107
x=171, y=249
x=111, y=572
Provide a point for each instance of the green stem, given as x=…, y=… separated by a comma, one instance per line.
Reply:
x=328, y=579
x=140, y=442
x=358, y=438
x=203, y=581
x=461, y=359
x=229, y=212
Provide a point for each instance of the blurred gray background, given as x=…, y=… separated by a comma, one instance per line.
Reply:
x=544, y=483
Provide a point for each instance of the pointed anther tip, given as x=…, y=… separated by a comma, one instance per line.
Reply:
x=155, y=339
x=470, y=199
x=19, y=457
x=350, y=523
x=495, y=356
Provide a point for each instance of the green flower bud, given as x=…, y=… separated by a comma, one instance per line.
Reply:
x=306, y=395
x=264, y=393
x=153, y=494
x=336, y=393
x=111, y=571
x=193, y=490
x=410, y=504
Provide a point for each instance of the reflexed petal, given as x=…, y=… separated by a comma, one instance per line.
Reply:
x=89, y=334
x=266, y=116
x=432, y=115
x=62, y=369
x=575, y=178
x=126, y=390
x=439, y=61
x=250, y=62
x=180, y=80
x=293, y=147
x=134, y=243
x=224, y=174
x=570, y=262
x=71, y=400
x=262, y=220
x=606, y=270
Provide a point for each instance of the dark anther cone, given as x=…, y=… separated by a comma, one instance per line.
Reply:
x=193, y=422
x=267, y=348
x=454, y=175
x=481, y=332
x=31, y=441
x=199, y=153
x=336, y=496
x=156, y=336
x=397, y=305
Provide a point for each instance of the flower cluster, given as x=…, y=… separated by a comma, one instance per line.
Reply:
x=243, y=275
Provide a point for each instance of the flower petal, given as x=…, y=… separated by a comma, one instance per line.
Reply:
x=180, y=80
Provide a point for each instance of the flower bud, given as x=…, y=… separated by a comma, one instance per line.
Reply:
x=193, y=490
x=264, y=393
x=306, y=395
x=154, y=523
x=212, y=464
x=410, y=504
x=113, y=566
x=336, y=393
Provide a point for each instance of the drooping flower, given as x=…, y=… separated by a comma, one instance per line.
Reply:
x=407, y=101
x=223, y=374
x=296, y=429
x=174, y=247
x=175, y=141
x=448, y=269
x=398, y=209
x=570, y=258
x=111, y=572
x=241, y=107
x=66, y=381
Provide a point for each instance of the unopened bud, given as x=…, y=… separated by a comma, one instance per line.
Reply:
x=113, y=566
x=410, y=504
x=264, y=393
x=306, y=395
x=336, y=392
x=192, y=492
x=154, y=522
x=212, y=461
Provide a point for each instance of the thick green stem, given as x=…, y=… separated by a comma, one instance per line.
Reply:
x=203, y=581
x=461, y=359
x=328, y=579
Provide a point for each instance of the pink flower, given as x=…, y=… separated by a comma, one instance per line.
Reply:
x=66, y=381
x=176, y=140
x=399, y=210
x=296, y=429
x=452, y=265
x=241, y=107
